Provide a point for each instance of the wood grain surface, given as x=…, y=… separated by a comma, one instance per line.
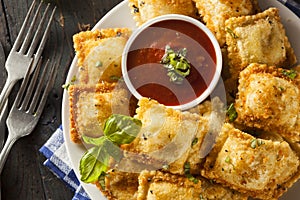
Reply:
x=24, y=176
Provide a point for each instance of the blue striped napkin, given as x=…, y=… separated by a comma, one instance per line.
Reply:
x=55, y=151
x=58, y=162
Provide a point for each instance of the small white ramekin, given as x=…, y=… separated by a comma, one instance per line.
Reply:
x=193, y=21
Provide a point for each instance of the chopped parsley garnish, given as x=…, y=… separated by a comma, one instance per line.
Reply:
x=176, y=64
x=195, y=141
x=228, y=160
x=228, y=30
x=256, y=143
x=115, y=78
x=231, y=112
x=290, y=73
x=67, y=85
x=192, y=178
x=281, y=88
x=187, y=168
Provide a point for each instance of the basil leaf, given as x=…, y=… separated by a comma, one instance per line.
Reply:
x=118, y=129
x=113, y=150
x=94, y=141
x=121, y=129
x=93, y=163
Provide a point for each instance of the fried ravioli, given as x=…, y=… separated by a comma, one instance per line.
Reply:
x=144, y=10
x=259, y=168
x=167, y=136
x=215, y=13
x=194, y=154
x=99, y=54
x=163, y=186
x=257, y=38
x=269, y=100
x=90, y=106
x=120, y=185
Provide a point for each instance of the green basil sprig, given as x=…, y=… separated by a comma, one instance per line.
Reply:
x=176, y=63
x=122, y=129
x=93, y=163
x=118, y=129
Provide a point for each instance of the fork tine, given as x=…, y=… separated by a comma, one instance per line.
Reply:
x=44, y=38
x=30, y=30
x=38, y=90
x=24, y=84
x=31, y=86
x=49, y=85
x=22, y=30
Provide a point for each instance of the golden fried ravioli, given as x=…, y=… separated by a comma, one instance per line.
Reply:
x=164, y=186
x=144, y=10
x=91, y=105
x=168, y=136
x=120, y=185
x=215, y=13
x=257, y=38
x=260, y=168
x=99, y=54
x=268, y=99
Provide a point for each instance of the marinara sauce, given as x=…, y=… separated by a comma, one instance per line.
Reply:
x=149, y=76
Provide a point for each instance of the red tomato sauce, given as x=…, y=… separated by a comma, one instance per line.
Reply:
x=150, y=78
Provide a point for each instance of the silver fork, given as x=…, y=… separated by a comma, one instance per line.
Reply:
x=28, y=105
x=25, y=49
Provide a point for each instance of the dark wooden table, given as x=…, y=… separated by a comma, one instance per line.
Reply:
x=24, y=176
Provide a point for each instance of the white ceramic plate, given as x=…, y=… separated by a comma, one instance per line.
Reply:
x=119, y=17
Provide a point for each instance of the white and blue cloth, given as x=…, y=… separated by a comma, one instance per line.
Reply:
x=55, y=151
x=58, y=162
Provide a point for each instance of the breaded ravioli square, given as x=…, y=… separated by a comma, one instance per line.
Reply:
x=119, y=185
x=91, y=105
x=215, y=12
x=257, y=38
x=260, y=168
x=268, y=99
x=99, y=54
x=144, y=10
x=85, y=41
x=164, y=186
x=166, y=137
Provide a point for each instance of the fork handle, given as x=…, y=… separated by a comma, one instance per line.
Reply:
x=6, y=149
x=10, y=82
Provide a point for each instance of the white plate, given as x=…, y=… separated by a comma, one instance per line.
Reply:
x=119, y=17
